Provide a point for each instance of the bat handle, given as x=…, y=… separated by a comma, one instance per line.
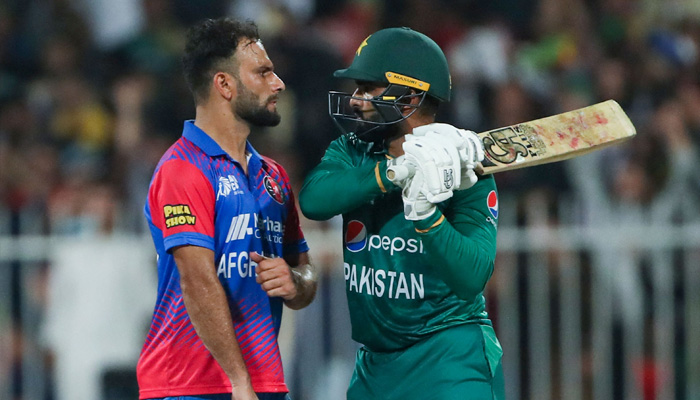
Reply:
x=479, y=169
x=398, y=173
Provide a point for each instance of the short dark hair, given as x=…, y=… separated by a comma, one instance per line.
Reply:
x=208, y=43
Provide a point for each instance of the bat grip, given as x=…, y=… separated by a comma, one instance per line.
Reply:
x=398, y=173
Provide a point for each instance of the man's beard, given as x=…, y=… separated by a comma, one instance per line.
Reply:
x=372, y=130
x=377, y=133
x=248, y=108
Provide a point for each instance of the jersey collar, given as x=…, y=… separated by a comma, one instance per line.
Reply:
x=200, y=139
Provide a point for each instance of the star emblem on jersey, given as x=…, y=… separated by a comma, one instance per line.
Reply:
x=492, y=203
x=273, y=189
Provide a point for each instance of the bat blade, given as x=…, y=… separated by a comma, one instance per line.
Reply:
x=555, y=138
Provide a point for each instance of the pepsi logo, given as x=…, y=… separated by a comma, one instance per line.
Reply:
x=492, y=203
x=355, y=236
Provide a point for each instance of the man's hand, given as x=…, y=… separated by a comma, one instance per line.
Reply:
x=416, y=206
x=468, y=144
x=275, y=276
x=438, y=160
x=399, y=162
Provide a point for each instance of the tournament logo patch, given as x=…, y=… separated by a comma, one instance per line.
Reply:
x=492, y=203
x=227, y=185
x=355, y=236
x=177, y=215
x=273, y=189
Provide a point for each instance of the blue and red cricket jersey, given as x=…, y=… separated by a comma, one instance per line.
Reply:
x=200, y=196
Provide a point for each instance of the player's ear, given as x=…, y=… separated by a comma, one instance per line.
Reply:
x=225, y=85
x=415, y=100
x=410, y=101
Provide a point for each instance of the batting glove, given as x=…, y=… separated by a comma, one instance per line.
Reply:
x=468, y=144
x=416, y=206
x=400, y=180
x=439, y=162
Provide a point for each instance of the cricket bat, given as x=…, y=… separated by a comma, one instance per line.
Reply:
x=548, y=139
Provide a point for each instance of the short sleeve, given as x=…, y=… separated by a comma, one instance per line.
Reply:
x=294, y=241
x=181, y=200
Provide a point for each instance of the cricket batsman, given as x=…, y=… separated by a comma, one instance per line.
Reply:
x=418, y=251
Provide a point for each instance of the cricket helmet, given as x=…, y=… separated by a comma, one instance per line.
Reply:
x=408, y=63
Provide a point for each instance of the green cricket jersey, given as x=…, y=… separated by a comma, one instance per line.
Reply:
x=405, y=280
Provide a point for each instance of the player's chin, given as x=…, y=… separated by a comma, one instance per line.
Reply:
x=273, y=118
x=272, y=109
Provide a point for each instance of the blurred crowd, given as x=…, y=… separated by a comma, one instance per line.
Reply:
x=91, y=92
x=91, y=95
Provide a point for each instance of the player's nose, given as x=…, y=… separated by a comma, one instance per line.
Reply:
x=355, y=100
x=278, y=84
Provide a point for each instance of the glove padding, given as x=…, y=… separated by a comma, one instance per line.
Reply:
x=399, y=162
x=416, y=206
x=469, y=147
x=438, y=161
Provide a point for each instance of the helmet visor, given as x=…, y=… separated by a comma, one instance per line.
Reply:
x=366, y=124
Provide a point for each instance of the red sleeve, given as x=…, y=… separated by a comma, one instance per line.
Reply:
x=182, y=202
x=292, y=228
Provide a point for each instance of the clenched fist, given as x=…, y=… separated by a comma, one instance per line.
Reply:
x=275, y=276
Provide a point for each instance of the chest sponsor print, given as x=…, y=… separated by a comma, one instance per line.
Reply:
x=383, y=283
x=357, y=239
x=355, y=236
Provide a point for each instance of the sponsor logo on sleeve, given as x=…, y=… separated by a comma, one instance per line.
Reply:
x=179, y=214
x=492, y=203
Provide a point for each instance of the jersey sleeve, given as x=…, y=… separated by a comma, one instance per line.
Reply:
x=293, y=239
x=340, y=184
x=460, y=241
x=181, y=200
